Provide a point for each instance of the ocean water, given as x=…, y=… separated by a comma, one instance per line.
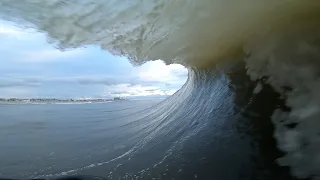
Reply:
x=251, y=102
x=223, y=134
x=50, y=139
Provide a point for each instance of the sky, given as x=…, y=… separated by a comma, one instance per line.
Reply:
x=32, y=67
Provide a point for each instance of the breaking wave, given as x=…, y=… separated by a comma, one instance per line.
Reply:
x=279, y=42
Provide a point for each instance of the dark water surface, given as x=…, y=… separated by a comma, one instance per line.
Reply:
x=213, y=128
x=54, y=138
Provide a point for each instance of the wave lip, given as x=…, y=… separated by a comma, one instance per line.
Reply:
x=183, y=31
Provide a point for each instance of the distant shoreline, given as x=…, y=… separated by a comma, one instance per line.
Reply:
x=57, y=101
x=11, y=103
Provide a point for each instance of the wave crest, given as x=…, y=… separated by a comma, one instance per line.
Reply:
x=188, y=32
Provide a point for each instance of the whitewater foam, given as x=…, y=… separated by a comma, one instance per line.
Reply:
x=291, y=65
x=279, y=41
x=73, y=171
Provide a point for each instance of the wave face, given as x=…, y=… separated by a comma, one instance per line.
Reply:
x=278, y=41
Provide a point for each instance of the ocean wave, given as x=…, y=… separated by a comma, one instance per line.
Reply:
x=278, y=41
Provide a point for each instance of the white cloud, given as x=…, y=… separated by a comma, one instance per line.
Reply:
x=154, y=78
x=159, y=71
x=125, y=90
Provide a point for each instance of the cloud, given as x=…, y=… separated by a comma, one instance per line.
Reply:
x=125, y=90
x=18, y=82
x=154, y=79
x=157, y=70
x=37, y=81
x=110, y=86
x=11, y=81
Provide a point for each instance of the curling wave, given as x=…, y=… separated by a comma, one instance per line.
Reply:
x=278, y=41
